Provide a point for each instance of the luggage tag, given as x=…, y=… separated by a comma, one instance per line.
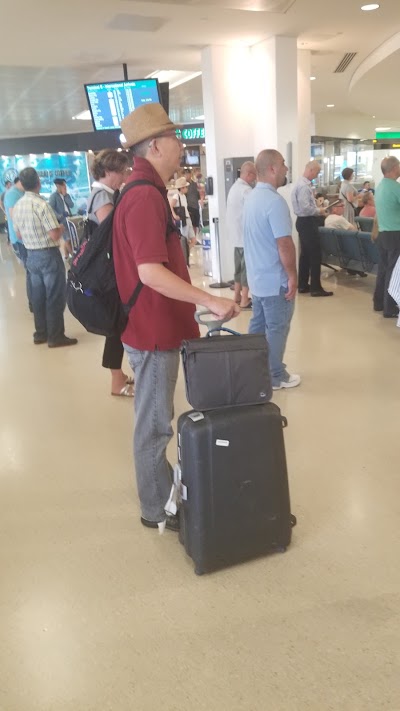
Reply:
x=178, y=494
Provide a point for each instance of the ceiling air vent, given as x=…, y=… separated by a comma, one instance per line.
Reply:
x=347, y=59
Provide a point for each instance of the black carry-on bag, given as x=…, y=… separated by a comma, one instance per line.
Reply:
x=226, y=371
x=232, y=481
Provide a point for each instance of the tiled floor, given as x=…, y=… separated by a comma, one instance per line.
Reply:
x=100, y=614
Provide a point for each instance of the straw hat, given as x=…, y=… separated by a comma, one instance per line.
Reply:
x=146, y=121
x=181, y=183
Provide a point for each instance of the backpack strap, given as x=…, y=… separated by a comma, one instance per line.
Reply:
x=89, y=207
x=170, y=228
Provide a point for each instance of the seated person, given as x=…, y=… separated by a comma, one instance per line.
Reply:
x=368, y=202
x=321, y=200
x=336, y=220
x=366, y=188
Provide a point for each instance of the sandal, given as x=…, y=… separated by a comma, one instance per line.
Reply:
x=130, y=381
x=126, y=391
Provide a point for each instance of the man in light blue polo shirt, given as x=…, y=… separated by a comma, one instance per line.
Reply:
x=271, y=262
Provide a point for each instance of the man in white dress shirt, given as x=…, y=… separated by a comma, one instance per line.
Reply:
x=305, y=207
x=234, y=220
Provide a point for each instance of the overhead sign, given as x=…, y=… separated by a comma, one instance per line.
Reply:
x=383, y=135
x=192, y=134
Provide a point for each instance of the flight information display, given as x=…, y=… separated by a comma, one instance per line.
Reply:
x=109, y=103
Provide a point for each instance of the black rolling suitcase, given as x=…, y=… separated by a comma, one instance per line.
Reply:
x=234, y=486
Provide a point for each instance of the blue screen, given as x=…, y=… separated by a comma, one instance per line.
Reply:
x=110, y=103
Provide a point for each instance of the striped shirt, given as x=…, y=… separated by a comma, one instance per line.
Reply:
x=33, y=218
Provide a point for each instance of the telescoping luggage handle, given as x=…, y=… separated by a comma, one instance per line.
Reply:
x=214, y=325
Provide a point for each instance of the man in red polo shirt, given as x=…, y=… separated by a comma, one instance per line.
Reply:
x=146, y=248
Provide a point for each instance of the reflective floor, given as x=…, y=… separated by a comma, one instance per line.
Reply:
x=100, y=614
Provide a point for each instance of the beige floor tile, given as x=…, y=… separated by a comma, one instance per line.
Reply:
x=99, y=614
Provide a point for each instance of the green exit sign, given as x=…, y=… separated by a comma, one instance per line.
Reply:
x=383, y=135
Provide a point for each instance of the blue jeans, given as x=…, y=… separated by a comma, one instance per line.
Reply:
x=47, y=273
x=22, y=254
x=156, y=373
x=272, y=315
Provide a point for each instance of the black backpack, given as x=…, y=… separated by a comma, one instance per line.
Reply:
x=92, y=293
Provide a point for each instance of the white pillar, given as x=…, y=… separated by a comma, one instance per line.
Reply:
x=226, y=100
x=282, y=100
x=306, y=120
x=254, y=98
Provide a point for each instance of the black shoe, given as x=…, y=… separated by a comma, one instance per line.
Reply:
x=304, y=289
x=376, y=308
x=172, y=523
x=393, y=315
x=321, y=292
x=64, y=341
x=38, y=341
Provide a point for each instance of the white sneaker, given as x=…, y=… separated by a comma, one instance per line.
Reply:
x=293, y=382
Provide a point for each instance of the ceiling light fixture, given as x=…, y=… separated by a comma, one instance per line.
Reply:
x=313, y=78
x=199, y=118
x=383, y=128
x=330, y=106
x=370, y=7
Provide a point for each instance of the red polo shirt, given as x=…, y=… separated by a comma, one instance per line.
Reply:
x=140, y=237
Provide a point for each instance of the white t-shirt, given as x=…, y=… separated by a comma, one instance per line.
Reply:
x=234, y=211
x=338, y=222
x=180, y=199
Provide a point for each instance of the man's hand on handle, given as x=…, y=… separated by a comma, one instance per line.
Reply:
x=223, y=308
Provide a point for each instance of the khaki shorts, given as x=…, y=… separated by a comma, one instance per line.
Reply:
x=240, y=267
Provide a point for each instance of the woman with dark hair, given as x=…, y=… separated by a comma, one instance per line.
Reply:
x=349, y=194
x=110, y=170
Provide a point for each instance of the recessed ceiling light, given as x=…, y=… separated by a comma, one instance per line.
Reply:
x=371, y=6
x=313, y=78
x=383, y=128
x=330, y=106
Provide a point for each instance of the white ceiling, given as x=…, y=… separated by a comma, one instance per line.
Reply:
x=42, y=71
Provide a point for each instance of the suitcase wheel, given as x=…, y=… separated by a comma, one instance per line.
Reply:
x=280, y=549
x=293, y=520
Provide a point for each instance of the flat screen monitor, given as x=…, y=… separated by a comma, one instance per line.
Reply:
x=110, y=102
x=191, y=157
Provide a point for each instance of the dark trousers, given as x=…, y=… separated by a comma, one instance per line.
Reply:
x=22, y=254
x=113, y=353
x=310, y=253
x=47, y=273
x=388, y=244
